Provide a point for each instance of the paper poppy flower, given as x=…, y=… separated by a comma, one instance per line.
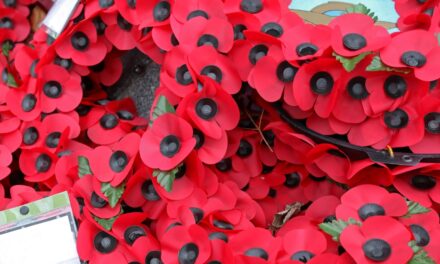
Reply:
x=119, y=159
x=199, y=31
x=5, y=161
x=366, y=171
x=128, y=10
x=418, y=183
x=263, y=9
x=159, y=12
x=129, y=227
x=398, y=128
x=119, y=32
x=303, y=244
x=37, y=164
x=379, y=239
x=59, y=89
x=243, y=147
x=27, y=60
x=167, y=143
x=215, y=66
x=323, y=209
x=429, y=109
x=15, y=21
x=25, y=101
x=185, y=244
x=365, y=201
x=97, y=246
x=306, y=41
x=107, y=71
x=9, y=133
x=255, y=245
x=212, y=110
x=317, y=86
x=354, y=34
x=415, y=49
x=316, y=186
x=272, y=74
x=185, y=11
x=82, y=45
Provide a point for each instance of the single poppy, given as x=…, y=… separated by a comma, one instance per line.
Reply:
x=38, y=165
x=108, y=71
x=119, y=32
x=302, y=245
x=159, y=12
x=13, y=20
x=429, y=109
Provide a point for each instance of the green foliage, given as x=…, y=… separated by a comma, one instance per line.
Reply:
x=335, y=228
x=362, y=9
x=113, y=194
x=162, y=106
x=83, y=167
x=415, y=208
x=166, y=178
x=350, y=63
x=377, y=65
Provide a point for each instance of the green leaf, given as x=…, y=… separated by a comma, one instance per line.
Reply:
x=83, y=167
x=413, y=245
x=362, y=9
x=166, y=178
x=335, y=228
x=107, y=223
x=415, y=208
x=377, y=65
x=350, y=63
x=113, y=194
x=6, y=48
x=11, y=81
x=421, y=258
x=163, y=106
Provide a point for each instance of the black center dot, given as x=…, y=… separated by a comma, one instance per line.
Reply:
x=105, y=3
x=104, y=243
x=52, y=89
x=30, y=136
x=432, y=123
x=6, y=22
x=395, y=86
x=303, y=256
x=286, y=72
x=223, y=225
x=238, y=31
x=43, y=163
x=356, y=88
x=149, y=192
x=153, y=257
x=245, y=149
x=125, y=115
x=273, y=29
x=28, y=103
x=162, y=11
x=257, y=252
x=396, y=119
x=208, y=40
x=206, y=108
x=188, y=254
x=212, y=72
x=377, y=249
x=183, y=75
x=97, y=201
x=251, y=6
x=224, y=165
x=79, y=41
x=413, y=59
x=118, y=161
x=292, y=180
x=124, y=24
x=197, y=213
x=108, y=121
x=423, y=182
x=200, y=138
x=257, y=52
x=132, y=233
x=197, y=13
x=354, y=41
x=53, y=139
x=169, y=146
x=420, y=234
x=370, y=209
x=10, y=3
x=322, y=83
x=306, y=49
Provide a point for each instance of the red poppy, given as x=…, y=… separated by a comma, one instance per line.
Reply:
x=318, y=89
x=212, y=110
x=185, y=244
x=272, y=74
x=314, y=187
x=303, y=244
x=167, y=143
x=24, y=102
x=354, y=34
x=12, y=20
x=185, y=11
x=429, y=109
x=128, y=10
x=418, y=183
x=323, y=209
x=160, y=10
x=26, y=61
x=82, y=45
x=129, y=227
x=263, y=10
x=120, y=158
x=367, y=200
x=98, y=246
x=10, y=135
x=215, y=66
x=306, y=41
x=368, y=172
x=398, y=128
x=119, y=32
x=255, y=245
x=291, y=147
x=38, y=165
x=199, y=31
x=407, y=7
x=108, y=71
x=416, y=49
x=22, y=194
x=379, y=239
x=5, y=161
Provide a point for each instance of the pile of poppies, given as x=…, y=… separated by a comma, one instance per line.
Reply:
x=214, y=175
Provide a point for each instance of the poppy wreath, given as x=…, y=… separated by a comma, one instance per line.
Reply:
x=214, y=174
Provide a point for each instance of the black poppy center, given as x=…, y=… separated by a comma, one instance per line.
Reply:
x=432, y=123
x=28, y=103
x=395, y=86
x=105, y=3
x=188, y=254
x=423, y=182
x=206, y=108
x=251, y=6
x=181, y=171
x=238, y=31
x=200, y=138
x=132, y=233
x=6, y=22
x=30, y=136
x=99, y=25
x=354, y=41
x=208, y=40
x=108, y=121
x=413, y=59
x=421, y=235
x=370, y=209
x=169, y=146
x=153, y=257
x=223, y=225
x=97, y=201
x=149, y=192
x=213, y=72
x=79, y=41
x=396, y=119
x=123, y=24
x=197, y=13
x=183, y=76
x=52, y=89
x=83, y=110
x=104, y=242
x=329, y=219
x=306, y=49
x=197, y=213
x=10, y=3
x=322, y=83
x=218, y=235
x=303, y=256
x=377, y=249
x=131, y=4
x=43, y=163
x=292, y=180
x=98, y=67
x=125, y=115
x=286, y=72
x=224, y=165
x=161, y=11
x=257, y=52
x=356, y=88
x=118, y=161
x=245, y=149
x=273, y=29
x=257, y=252
x=53, y=139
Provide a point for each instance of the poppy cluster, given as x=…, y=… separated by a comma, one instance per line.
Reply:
x=214, y=174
